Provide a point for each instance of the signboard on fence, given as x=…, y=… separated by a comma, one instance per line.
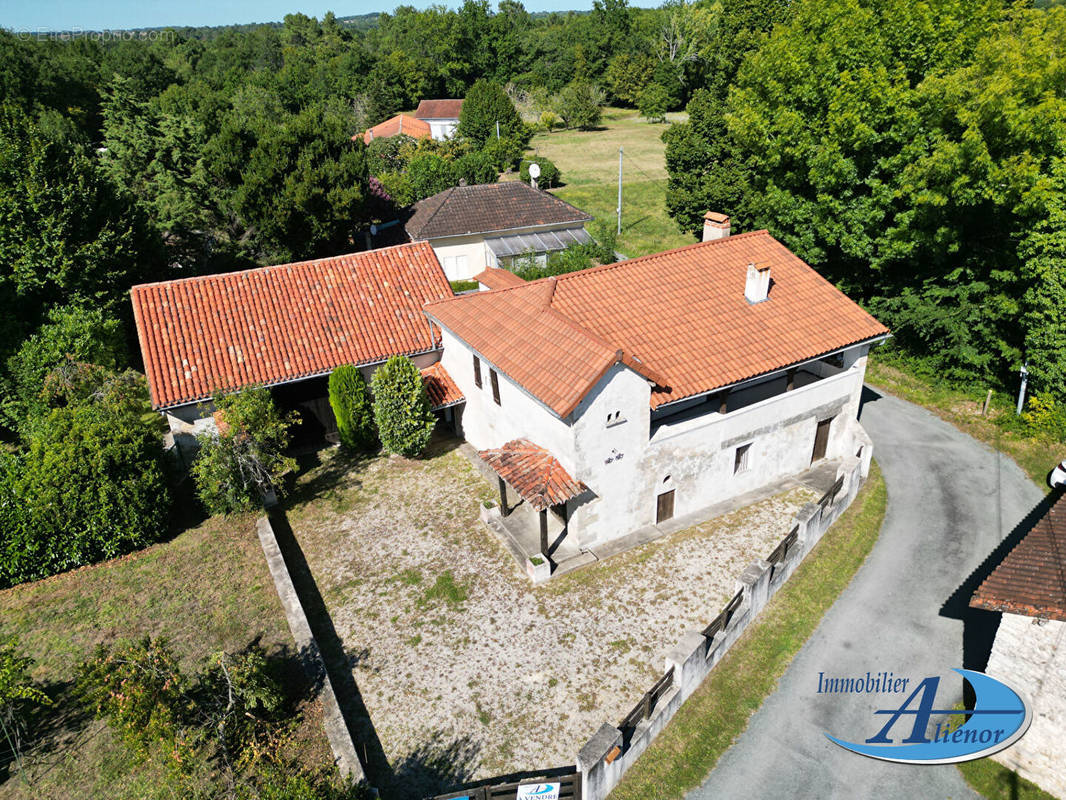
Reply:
x=538, y=791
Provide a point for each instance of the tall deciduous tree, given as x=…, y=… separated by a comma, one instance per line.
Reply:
x=485, y=105
x=66, y=233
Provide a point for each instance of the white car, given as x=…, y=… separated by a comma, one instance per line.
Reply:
x=1057, y=478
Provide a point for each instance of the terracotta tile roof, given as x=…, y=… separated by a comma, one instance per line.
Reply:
x=401, y=123
x=678, y=317
x=1031, y=580
x=440, y=387
x=533, y=472
x=496, y=278
x=488, y=207
x=273, y=324
x=439, y=109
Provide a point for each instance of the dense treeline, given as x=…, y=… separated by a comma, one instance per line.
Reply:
x=913, y=153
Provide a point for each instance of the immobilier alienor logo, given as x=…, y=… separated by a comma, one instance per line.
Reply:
x=999, y=717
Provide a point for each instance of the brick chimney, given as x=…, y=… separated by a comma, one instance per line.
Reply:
x=757, y=285
x=715, y=226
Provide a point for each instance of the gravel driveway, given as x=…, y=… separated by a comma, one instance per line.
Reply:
x=459, y=659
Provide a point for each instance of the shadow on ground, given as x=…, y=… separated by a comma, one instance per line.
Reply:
x=980, y=626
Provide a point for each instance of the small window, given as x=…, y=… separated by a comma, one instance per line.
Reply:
x=740, y=460
x=614, y=418
x=477, y=372
x=460, y=266
x=495, y=386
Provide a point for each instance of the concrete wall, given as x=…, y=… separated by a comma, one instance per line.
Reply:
x=695, y=655
x=472, y=248
x=441, y=129
x=487, y=425
x=1031, y=654
x=477, y=253
x=626, y=466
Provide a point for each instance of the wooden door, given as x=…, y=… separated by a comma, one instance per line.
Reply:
x=821, y=439
x=664, y=507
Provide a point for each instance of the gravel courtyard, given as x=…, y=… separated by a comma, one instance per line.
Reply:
x=457, y=656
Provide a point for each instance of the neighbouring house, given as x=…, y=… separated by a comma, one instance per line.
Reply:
x=614, y=398
x=442, y=116
x=1029, y=589
x=394, y=126
x=288, y=327
x=489, y=225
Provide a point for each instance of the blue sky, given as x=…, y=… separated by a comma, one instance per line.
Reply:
x=20, y=15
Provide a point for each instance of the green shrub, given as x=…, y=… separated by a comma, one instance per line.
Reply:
x=230, y=712
x=463, y=286
x=350, y=399
x=476, y=167
x=71, y=332
x=503, y=153
x=245, y=459
x=580, y=104
x=89, y=486
x=653, y=102
x=401, y=407
x=549, y=173
x=1045, y=418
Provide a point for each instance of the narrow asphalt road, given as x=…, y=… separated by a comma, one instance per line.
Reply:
x=951, y=500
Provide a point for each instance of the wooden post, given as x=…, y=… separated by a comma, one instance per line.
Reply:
x=791, y=380
x=724, y=397
x=504, y=510
x=544, y=532
x=988, y=399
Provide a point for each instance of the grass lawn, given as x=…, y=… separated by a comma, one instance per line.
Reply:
x=207, y=589
x=963, y=410
x=995, y=782
x=718, y=712
x=588, y=161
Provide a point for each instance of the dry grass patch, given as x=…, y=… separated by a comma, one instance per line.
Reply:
x=208, y=589
x=588, y=161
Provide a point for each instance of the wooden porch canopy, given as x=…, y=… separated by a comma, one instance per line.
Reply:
x=441, y=388
x=533, y=472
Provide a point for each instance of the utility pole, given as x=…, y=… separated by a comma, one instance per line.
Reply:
x=619, y=191
x=1024, y=373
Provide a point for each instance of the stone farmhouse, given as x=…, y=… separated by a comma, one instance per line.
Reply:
x=472, y=228
x=1028, y=588
x=442, y=116
x=617, y=397
x=606, y=400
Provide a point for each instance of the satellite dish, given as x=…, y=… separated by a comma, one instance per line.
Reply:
x=534, y=170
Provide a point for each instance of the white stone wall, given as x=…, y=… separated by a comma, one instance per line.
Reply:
x=473, y=248
x=1033, y=658
x=487, y=425
x=441, y=129
x=610, y=429
x=627, y=469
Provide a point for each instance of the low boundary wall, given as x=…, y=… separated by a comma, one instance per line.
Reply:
x=340, y=740
x=613, y=749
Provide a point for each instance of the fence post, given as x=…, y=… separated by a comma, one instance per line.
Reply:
x=597, y=776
